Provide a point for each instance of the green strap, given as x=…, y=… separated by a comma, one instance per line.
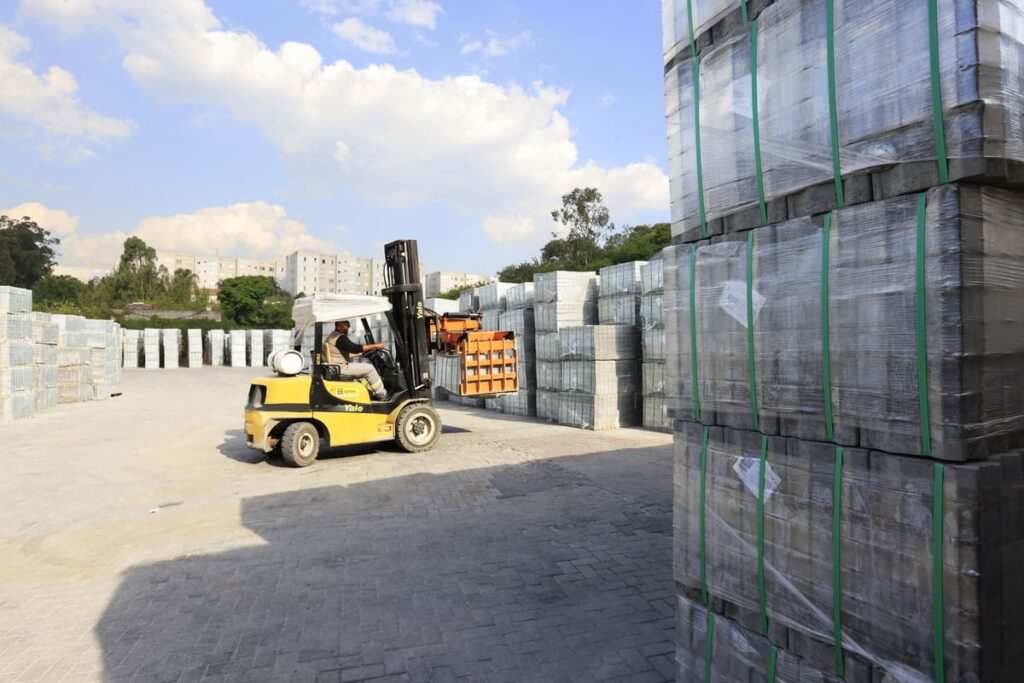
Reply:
x=826, y=335
x=833, y=115
x=743, y=9
x=773, y=658
x=689, y=19
x=751, y=361
x=696, y=141
x=762, y=598
x=837, y=589
x=922, y=332
x=703, y=506
x=758, y=171
x=709, y=642
x=937, y=593
x=693, y=332
x=937, y=116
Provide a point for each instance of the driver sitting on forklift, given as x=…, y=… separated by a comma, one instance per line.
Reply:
x=338, y=351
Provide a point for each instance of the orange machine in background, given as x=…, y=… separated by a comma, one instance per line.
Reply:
x=489, y=363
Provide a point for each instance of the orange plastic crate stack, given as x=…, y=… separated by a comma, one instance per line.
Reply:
x=489, y=364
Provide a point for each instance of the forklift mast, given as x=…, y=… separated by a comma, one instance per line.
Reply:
x=407, y=318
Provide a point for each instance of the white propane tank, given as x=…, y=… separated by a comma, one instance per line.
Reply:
x=286, y=361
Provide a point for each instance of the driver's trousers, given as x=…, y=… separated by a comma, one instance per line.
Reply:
x=368, y=372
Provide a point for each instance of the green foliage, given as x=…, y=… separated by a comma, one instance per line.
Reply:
x=255, y=301
x=26, y=252
x=454, y=292
x=584, y=214
x=58, y=291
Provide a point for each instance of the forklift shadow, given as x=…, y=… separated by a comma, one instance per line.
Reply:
x=233, y=446
x=525, y=572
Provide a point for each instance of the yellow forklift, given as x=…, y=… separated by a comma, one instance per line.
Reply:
x=300, y=409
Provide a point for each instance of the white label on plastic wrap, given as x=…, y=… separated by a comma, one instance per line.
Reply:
x=749, y=471
x=734, y=301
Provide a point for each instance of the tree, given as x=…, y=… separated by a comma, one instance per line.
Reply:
x=254, y=301
x=26, y=252
x=454, y=292
x=584, y=214
x=182, y=289
x=58, y=291
x=137, y=277
x=522, y=272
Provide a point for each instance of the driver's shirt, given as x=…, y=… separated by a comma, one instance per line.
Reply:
x=344, y=345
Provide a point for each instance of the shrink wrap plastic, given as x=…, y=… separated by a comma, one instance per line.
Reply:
x=547, y=405
x=564, y=285
x=599, y=342
x=883, y=104
x=600, y=377
x=520, y=296
x=863, y=565
x=954, y=312
x=623, y=278
x=601, y=411
x=554, y=316
x=495, y=295
x=469, y=301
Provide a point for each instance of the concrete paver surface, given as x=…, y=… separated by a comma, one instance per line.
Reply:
x=142, y=541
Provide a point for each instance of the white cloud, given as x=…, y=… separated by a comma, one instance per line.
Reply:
x=422, y=13
x=495, y=46
x=607, y=100
x=245, y=230
x=365, y=37
x=503, y=153
x=49, y=102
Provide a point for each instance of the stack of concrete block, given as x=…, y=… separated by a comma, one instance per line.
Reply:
x=520, y=319
x=236, y=349
x=193, y=354
x=441, y=306
x=652, y=336
x=493, y=302
x=562, y=299
x=74, y=373
x=213, y=350
x=132, y=345
x=469, y=301
x=17, y=374
x=257, y=358
x=170, y=343
x=151, y=348
x=845, y=338
x=45, y=337
x=600, y=377
x=276, y=339
x=100, y=339
x=619, y=303
x=115, y=353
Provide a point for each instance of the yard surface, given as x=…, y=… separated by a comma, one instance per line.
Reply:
x=143, y=541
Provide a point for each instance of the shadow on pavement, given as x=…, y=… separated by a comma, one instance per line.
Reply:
x=531, y=572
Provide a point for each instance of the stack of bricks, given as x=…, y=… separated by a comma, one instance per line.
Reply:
x=442, y=306
x=17, y=380
x=99, y=335
x=652, y=338
x=563, y=299
x=151, y=348
x=600, y=377
x=236, y=349
x=131, y=341
x=213, y=349
x=469, y=301
x=74, y=373
x=193, y=348
x=257, y=357
x=493, y=302
x=519, y=318
x=45, y=335
x=845, y=338
x=170, y=347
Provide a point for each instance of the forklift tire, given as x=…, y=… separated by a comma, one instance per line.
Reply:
x=300, y=444
x=417, y=427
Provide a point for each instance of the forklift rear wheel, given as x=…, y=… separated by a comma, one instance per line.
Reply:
x=300, y=444
x=417, y=427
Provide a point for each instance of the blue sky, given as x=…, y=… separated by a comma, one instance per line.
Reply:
x=252, y=129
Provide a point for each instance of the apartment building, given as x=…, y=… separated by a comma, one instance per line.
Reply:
x=310, y=272
x=443, y=280
x=210, y=270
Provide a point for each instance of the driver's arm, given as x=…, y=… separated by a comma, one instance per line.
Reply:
x=372, y=347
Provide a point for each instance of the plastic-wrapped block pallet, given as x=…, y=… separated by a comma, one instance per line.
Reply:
x=520, y=296
x=656, y=414
x=193, y=352
x=15, y=300
x=469, y=301
x=898, y=558
x=45, y=336
x=236, y=348
x=547, y=404
x=603, y=411
x=564, y=285
x=170, y=342
x=619, y=303
x=882, y=58
x=213, y=349
x=553, y=316
x=598, y=342
x=600, y=377
x=928, y=283
x=276, y=339
x=441, y=306
x=256, y=355
x=448, y=373
x=494, y=296
x=151, y=348
x=624, y=278
x=132, y=340
x=17, y=355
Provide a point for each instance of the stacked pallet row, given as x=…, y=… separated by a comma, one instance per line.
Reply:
x=45, y=335
x=257, y=355
x=170, y=340
x=131, y=342
x=845, y=338
x=441, y=306
x=17, y=394
x=602, y=391
x=493, y=302
x=519, y=318
x=276, y=339
x=102, y=342
x=213, y=348
x=74, y=373
x=563, y=299
x=652, y=339
x=445, y=369
x=469, y=301
x=235, y=350
x=150, y=348
x=193, y=348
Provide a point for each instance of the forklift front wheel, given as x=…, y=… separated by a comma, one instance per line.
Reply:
x=417, y=427
x=300, y=444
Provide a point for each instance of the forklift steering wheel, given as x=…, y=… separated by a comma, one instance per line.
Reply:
x=381, y=360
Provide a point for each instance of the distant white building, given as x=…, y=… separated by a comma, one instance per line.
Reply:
x=443, y=280
x=310, y=272
x=210, y=270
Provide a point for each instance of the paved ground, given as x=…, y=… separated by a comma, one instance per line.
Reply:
x=142, y=541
